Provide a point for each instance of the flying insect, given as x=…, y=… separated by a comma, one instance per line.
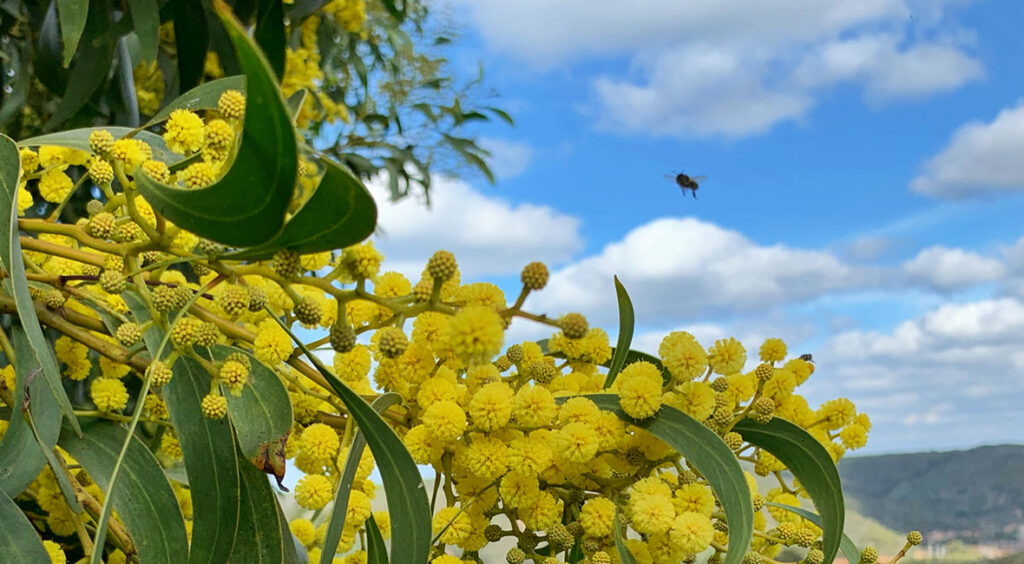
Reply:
x=686, y=182
x=807, y=357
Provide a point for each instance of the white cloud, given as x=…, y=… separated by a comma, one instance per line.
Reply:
x=868, y=247
x=733, y=67
x=678, y=268
x=948, y=269
x=957, y=371
x=508, y=158
x=488, y=235
x=980, y=158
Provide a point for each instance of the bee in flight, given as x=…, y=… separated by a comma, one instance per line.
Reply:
x=807, y=357
x=686, y=182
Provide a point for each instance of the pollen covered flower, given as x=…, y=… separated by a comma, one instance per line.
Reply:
x=727, y=356
x=476, y=334
x=109, y=394
x=772, y=350
x=683, y=356
x=445, y=420
x=597, y=516
x=639, y=386
x=491, y=407
x=319, y=442
x=272, y=345
x=55, y=185
x=184, y=132
x=313, y=491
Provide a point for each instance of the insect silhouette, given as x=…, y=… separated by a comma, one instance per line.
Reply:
x=807, y=357
x=686, y=182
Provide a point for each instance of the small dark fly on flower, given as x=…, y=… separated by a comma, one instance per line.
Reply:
x=686, y=182
x=807, y=357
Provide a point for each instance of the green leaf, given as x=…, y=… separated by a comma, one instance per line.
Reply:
x=625, y=556
x=10, y=254
x=348, y=475
x=810, y=463
x=14, y=101
x=73, y=14
x=376, y=551
x=706, y=451
x=247, y=205
x=59, y=468
x=626, y=322
x=191, y=38
x=340, y=213
x=259, y=526
x=208, y=448
x=263, y=413
x=143, y=498
x=89, y=73
x=20, y=456
x=296, y=101
x=406, y=496
x=19, y=542
x=846, y=546
x=202, y=97
x=270, y=34
x=79, y=139
x=146, y=17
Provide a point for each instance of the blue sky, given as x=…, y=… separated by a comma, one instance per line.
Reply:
x=864, y=189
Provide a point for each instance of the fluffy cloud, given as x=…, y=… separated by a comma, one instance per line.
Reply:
x=678, y=268
x=488, y=235
x=948, y=269
x=732, y=67
x=954, y=375
x=980, y=158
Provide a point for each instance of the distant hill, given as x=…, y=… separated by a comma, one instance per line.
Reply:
x=977, y=494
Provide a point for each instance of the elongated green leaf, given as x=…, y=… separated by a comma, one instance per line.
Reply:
x=146, y=17
x=296, y=101
x=340, y=213
x=407, y=498
x=710, y=456
x=202, y=97
x=270, y=33
x=247, y=205
x=263, y=413
x=14, y=101
x=259, y=527
x=21, y=458
x=808, y=460
x=207, y=446
x=143, y=498
x=10, y=254
x=90, y=71
x=626, y=322
x=79, y=139
x=620, y=544
x=376, y=551
x=19, y=542
x=191, y=37
x=846, y=546
x=73, y=14
x=348, y=475
x=57, y=466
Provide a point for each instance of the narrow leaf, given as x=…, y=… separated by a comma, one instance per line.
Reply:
x=88, y=74
x=191, y=38
x=625, y=556
x=810, y=463
x=406, y=496
x=270, y=34
x=355, y=452
x=259, y=526
x=73, y=15
x=146, y=17
x=340, y=213
x=10, y=254
x=626, y=322
x=846, y=546
x=202, y=97
x=19, y=542
x=710, y=456
x=57, y=466
x=143, y=498
x=21, y=458
x=247, y=205
x=207, y=446
x=376, y=551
